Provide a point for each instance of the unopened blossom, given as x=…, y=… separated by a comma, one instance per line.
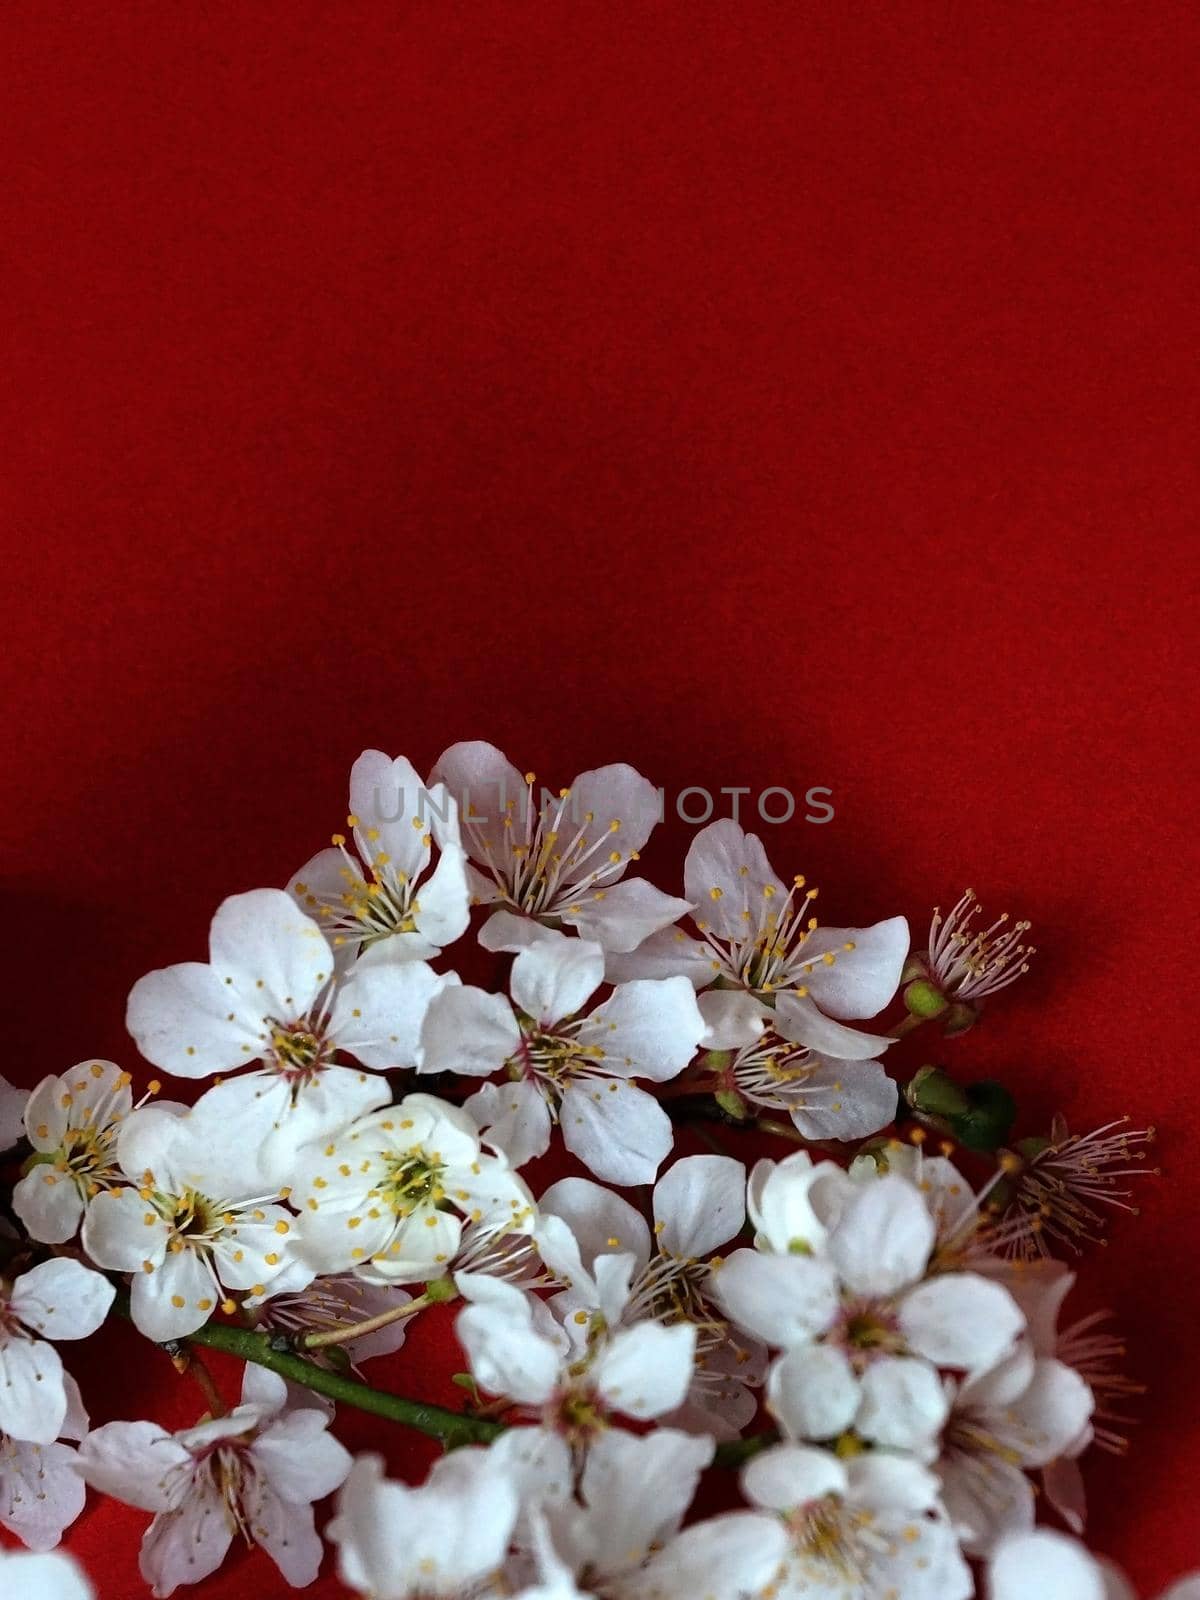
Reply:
x=869, y=1525
x=192, y=1222
x=42, y=1577
x=59, y=1299
x=1043, y=1563
x=72, y=1122
x=254, y=1472
x=964, y=964
x=375, y=893
x=761, y=958
x=392, y=1192
x=556, y=860
x=444, y=1540
x=270, y=995
x=698, y=1206
x=567, y=1065
x=41, y=1493
x=570, y=1379
x=824, y=1097
x=1060, y=1185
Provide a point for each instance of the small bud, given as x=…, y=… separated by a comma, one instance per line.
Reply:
x=934, y=1092
x=988, y=1122
x=717, y=1061
x=439, y=1291
x=925, y=999
x=732, y=1104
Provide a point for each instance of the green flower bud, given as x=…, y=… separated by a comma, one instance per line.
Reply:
x=934, y=1092
x=925, y=999
x=438, y=1291
x=732, y=1104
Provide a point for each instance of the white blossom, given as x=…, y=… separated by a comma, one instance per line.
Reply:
x=41, y=1493
x=556, y=860
x=58, y=1299
x=270, y=994
x=193, y=1222
x=565, y=1065
x=381, y=899
x=770, y=963
x=72, y=1123
x=254, y=1472
x=391, y=1192
x=698, y=1207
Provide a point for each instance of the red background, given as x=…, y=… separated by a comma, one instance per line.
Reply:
x=764, y=394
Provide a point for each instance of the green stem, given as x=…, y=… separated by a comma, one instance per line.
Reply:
x=734, y=1452
x=451, y=1427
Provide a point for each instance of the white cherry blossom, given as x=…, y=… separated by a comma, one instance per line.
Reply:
x=572, y=1378
x=762, y=959
x=698, y=1206
x=565, y=1065
x=825, y=1098
x=194, y=1222
x=380, y=898
x=270, y=994
x=391, y=1192
x=72, y=1123
x=558, y=860
x=869, y=1526
x=41, y=1493
x=254, y=1472
x=57, y=1299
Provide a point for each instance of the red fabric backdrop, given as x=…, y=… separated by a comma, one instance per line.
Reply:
x=764, y=394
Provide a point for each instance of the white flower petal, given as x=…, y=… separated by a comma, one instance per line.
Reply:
x=903, y=1404
x=844, y=1100
x=385, y=797
x=648, y=1028
x=639, y=1489
x=960, y=1320
x=699, y=1205
x=185, y=1020
x=468, y=1031
x=884, y=1238
x=799, y=1019
x=622, y=916
x=513, y=1118
x=790, y=1475
x=185, y=1545
x=378, y=1011
x=300, y=1457
x=724, y=1558
x=41, y=1494
x=664, y=954
x=116, y=1234
x=732, y=1018
x=600, y=1221
x=554, y=978
x=175, y=1299
x=33, y=1400
x=49, y=1204
x=506, y=1354
x=784, y=1300
x=276, y=957
x=646, y=1370
x=1044, y=1563
x=861, y=981
x=137, y=1462
x=725, y=858
x=62, y=1299
x=812, y=1392
x=619, y=1132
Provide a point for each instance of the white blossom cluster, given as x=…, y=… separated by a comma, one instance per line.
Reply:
x=862, y=1342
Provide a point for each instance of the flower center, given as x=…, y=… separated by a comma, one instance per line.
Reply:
x=299, y=1051
x=413, y=1179
x=823, y=1534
